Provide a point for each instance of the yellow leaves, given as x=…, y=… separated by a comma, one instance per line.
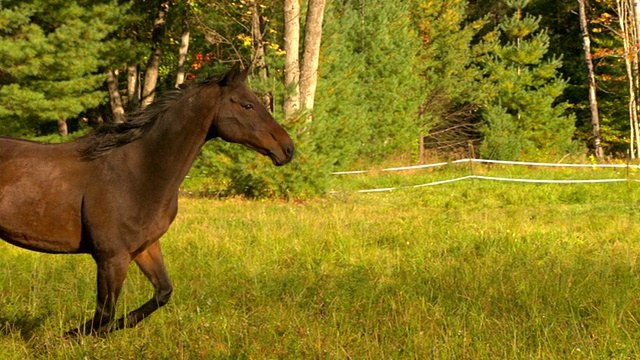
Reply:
x=246, y=39
x=606, y=77
x=604, y=19
x=606, y=16
x=276, y=48
x=609, y=78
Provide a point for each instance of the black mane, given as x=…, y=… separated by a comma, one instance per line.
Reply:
x=136, y=124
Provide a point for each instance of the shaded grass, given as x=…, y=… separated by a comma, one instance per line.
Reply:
x=462, y=271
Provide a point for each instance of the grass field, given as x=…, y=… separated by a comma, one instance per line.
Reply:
x=468, y=270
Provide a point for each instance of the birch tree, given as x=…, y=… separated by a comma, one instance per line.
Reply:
x=302, y=81
x=291, y=57
x=115, y=100
x=311, y=56
x=153, y=65
x=184, y=49
x=629, y=32
x=133, y=87
x=593, y=102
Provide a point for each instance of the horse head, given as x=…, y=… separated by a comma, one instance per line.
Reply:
x=243, y=119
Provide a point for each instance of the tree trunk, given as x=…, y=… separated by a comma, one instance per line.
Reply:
x=153, y=65
x=634, y=11
x=133, y=88
x=114, y=97
x=311, y=56
x=593, y=101
x=257, y=47
x=63, y=129
x=184, y=49
x=629, y=39
x=151, y=78
x=257, y=42
x=292, y=56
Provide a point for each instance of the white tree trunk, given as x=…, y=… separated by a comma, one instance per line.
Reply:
x=133, y=93
x=292, y=57
x=634, y=12
x=593, y=101
x=151, y=78
x=311, y=56
x=153, y=65
x=63, y=129
x=629, y=40
x=184, y=49
x=115, y=100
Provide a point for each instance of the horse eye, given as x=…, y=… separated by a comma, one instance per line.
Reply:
x=248, y=106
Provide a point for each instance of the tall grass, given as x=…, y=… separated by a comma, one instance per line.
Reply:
x=471, y=270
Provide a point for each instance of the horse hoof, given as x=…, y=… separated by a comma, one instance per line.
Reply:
x=80, y=331
x=73, y=333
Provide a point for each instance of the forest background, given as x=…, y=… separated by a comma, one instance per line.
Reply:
x=409, y=80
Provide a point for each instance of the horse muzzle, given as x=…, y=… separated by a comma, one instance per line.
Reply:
x=287, y=155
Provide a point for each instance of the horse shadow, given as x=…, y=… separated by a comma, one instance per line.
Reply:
x=25, y=325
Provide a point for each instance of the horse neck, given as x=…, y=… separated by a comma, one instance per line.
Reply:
x=170, y=148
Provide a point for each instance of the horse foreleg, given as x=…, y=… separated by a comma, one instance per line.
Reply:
x=111, y=275
x=152, y=265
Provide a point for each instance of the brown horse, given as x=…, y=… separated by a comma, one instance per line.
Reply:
x=114, y=193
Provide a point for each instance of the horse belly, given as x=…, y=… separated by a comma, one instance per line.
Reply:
x=40, y=213
x=50, y=234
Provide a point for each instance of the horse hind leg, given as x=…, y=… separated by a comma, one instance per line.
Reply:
x=152, y=265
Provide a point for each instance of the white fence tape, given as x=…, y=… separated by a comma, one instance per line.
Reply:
x=619, y=166
x=392, y=169
x=480, y=177
x=495, y=179
x=548, y=181
x=414, y=167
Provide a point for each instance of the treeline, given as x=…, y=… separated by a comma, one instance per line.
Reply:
x=394, y=79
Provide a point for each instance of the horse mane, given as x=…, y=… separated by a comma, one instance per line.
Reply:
x=138, y=123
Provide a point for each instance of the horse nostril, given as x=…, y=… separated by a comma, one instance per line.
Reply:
x=289, y=150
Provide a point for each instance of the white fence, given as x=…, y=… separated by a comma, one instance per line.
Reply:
x=480, y=177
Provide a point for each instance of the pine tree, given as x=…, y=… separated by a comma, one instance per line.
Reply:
x=522, y=85
x=452, y=91
x=368, y=100
x=51, y=60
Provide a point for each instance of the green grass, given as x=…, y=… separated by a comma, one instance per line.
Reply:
x=469, y=270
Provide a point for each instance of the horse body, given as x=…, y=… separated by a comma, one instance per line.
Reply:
x=39, y=192
x=115, y=193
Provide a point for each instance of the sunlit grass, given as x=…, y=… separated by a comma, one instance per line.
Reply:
x=473, y=270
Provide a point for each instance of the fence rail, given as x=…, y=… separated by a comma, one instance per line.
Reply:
x=492, y=178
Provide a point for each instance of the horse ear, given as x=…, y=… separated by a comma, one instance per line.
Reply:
x=244, y=74
x=234, y=76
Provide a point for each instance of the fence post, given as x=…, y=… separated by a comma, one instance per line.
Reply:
x=471, y=157
x=628, y=166
x=472, y=151
x=421, y=152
